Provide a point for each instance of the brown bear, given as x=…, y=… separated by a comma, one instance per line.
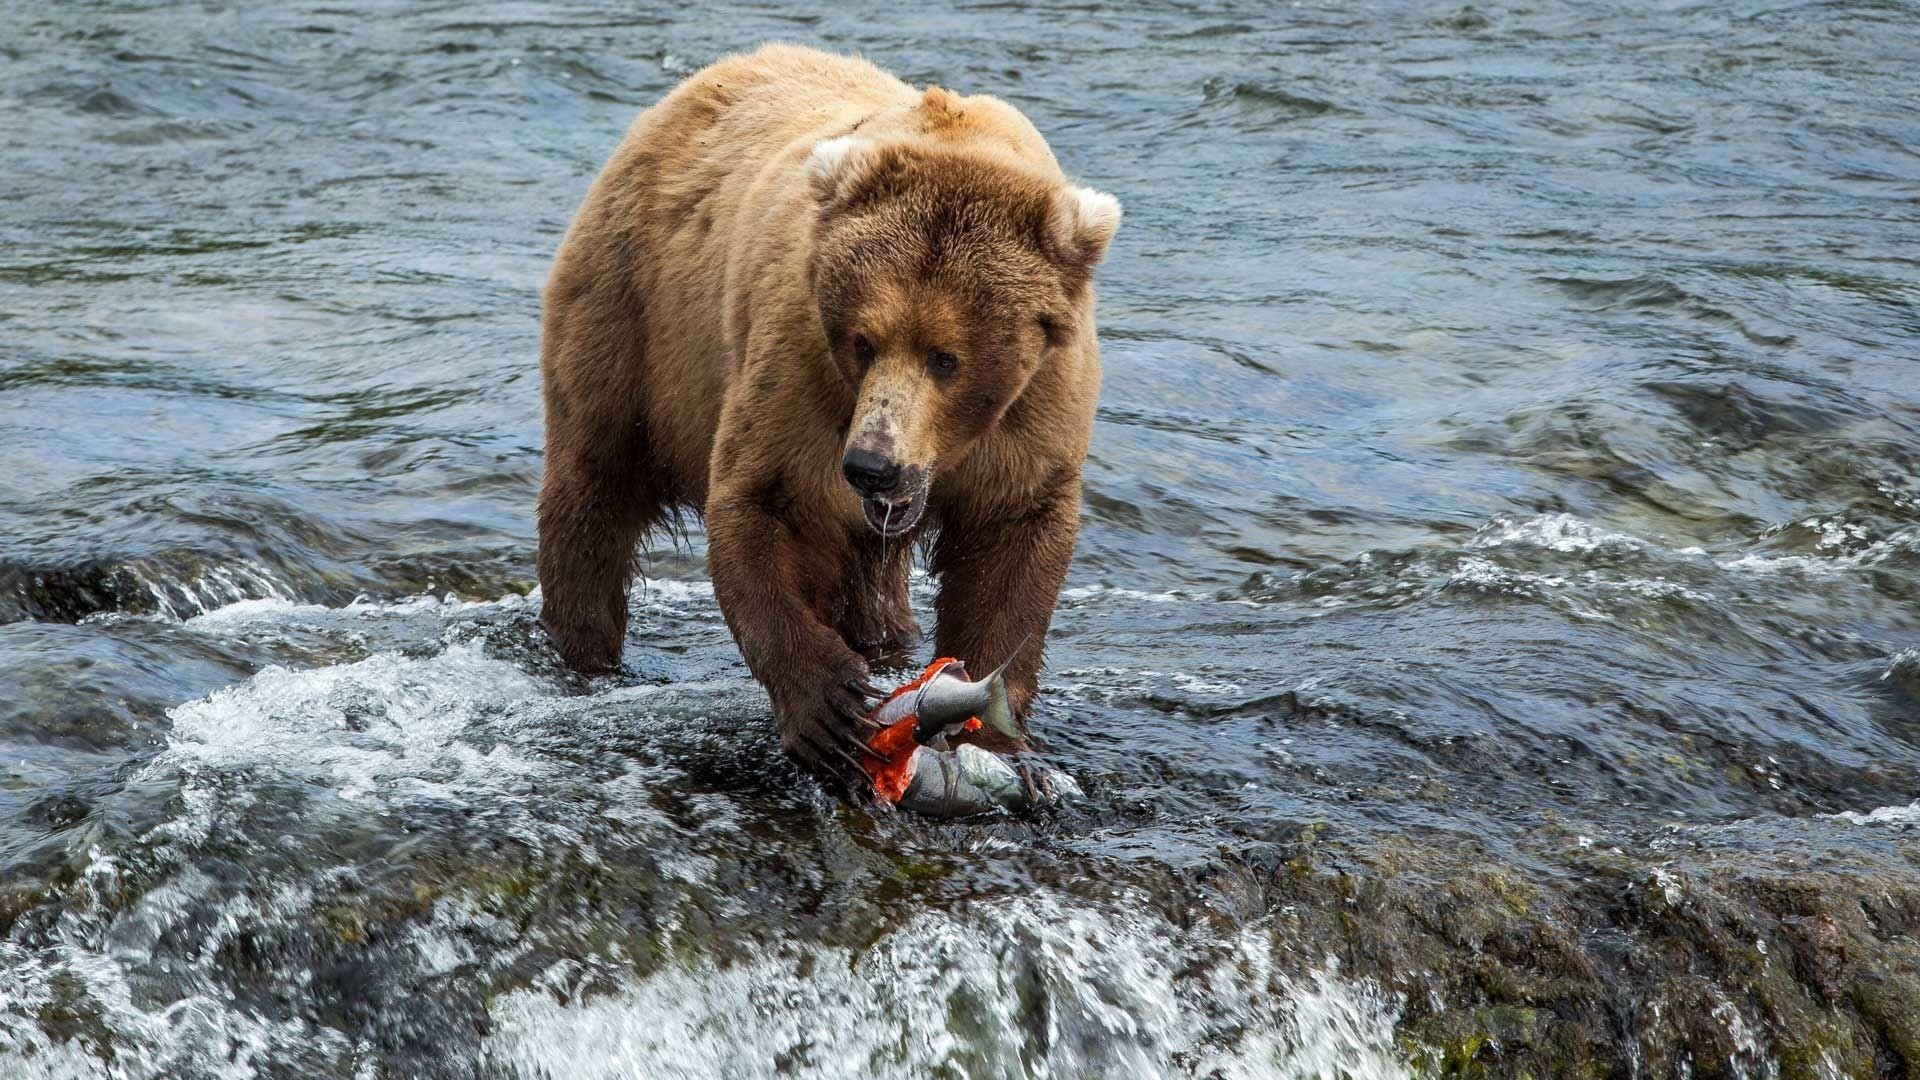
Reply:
x=834, y=315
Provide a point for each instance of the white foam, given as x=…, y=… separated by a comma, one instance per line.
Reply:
x=656, y=595
x=255, y=612
x=1025, y=986
x=385, y=730
x=1835, y=533
x=1194, y=684
x=1081, y=593
x=177, y=598
x=673, y=593
x=198, y=1033
x=1747, y=1058
x=356, y=726
x=1113, y=685
x=1839, y=546
x=54, y=1061
x=460, y=727
x=1893, y=489
x=1885, y=815
x=1474, y=571
x=1479, y=573
x=1554, y=532
x=1657, y=588
x=1672, y=889
x=1837, y=538
x=1904, y=664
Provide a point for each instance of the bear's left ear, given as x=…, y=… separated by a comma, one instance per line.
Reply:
x=835, y=165
x=1080, y=224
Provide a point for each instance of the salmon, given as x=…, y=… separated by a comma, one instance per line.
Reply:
x=923, y=773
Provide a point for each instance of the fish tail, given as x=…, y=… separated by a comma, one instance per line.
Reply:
x=998, y=714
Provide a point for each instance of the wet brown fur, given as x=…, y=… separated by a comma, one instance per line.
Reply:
x=697, y=353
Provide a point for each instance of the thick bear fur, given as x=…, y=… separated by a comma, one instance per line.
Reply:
x=791, y=257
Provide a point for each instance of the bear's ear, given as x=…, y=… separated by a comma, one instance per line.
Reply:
x=1080, y=224
x=835, y=165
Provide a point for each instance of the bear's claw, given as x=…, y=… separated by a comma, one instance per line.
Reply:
x=828, y=733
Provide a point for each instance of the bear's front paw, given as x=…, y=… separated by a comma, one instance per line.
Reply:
x=826, y=730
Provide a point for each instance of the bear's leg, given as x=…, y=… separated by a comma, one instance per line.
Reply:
x=1000, y=577
x=597, y=499
x=778, y=581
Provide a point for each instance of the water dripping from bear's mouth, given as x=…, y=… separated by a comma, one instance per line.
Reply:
x=1490, y=646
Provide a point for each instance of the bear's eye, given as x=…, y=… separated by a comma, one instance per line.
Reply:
x=1049, y=327
x=942, y=362
x=862, y=350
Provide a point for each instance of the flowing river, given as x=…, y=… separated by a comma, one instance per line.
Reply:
x=1493, y=646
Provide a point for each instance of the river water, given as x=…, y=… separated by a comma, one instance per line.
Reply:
x=1494, y=641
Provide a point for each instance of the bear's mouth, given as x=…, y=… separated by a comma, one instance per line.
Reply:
x=896, y=514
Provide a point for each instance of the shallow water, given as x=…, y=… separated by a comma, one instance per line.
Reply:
x=1498, y=587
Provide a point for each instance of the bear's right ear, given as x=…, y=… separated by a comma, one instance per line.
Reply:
x=836, y=165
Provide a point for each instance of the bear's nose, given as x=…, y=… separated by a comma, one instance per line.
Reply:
x=869, y=473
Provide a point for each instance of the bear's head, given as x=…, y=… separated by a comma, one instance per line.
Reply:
x=946, y=278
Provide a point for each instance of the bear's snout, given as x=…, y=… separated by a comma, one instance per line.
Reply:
x=893, y=496
x=873, y=475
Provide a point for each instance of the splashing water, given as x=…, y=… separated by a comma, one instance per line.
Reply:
x=1026, y=987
